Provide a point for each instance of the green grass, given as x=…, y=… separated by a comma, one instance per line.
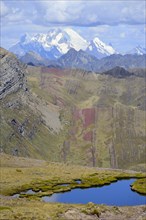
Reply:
x=140, y=186
x=4, y=208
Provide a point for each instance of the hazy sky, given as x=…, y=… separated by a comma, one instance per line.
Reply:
x=121, y=23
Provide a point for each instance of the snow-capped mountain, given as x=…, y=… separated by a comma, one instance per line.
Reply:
x=51, y=45
x=99, y=49
x=137, y=50
x=29, y=44
x=58, y=42
x=64, y=40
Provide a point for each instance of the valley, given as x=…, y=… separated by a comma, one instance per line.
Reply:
x=97, y=110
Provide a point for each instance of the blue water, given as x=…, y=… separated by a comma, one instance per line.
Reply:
x=118, y=194
x=78, y=181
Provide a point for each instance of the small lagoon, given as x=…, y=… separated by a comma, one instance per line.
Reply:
x=117, y=194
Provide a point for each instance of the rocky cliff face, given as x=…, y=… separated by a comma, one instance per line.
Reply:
x=12, y=74
x=25, y=119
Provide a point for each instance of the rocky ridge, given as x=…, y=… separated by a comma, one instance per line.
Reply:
x=118, y=72
x=12, y=74
x=23, y=114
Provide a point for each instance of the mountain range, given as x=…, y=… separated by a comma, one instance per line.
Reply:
x=58, y=42
x=82, y=60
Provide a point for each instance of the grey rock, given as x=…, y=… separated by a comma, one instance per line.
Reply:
x=12, y=74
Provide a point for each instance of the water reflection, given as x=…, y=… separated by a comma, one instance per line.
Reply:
x=78, y=181
x=53, y=198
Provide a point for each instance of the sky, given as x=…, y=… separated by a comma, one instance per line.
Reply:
x=120, y=23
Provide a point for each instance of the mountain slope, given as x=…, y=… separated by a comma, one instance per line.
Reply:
x=74, y=116
x=27, y=122
x=104, y=115
x=126, y=61
x=33, y=58
x=77, y=59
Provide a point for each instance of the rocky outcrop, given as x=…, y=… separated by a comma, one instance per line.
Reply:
x=12, y=74
x=118, y=72
x=105, y=213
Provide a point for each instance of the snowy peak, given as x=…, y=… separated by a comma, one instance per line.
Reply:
x=137, y=50
x=77, y=42
x=102, y=47
x=99, y=48
x=64, y=40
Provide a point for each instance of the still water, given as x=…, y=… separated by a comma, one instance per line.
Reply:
x=118, y=194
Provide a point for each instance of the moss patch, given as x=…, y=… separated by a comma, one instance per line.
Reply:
x=140, y=186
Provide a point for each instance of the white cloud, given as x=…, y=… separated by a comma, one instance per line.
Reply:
x=78, y=13
x=4, y=10
x=59, y=12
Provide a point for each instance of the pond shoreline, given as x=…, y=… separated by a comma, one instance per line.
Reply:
x=110, y=189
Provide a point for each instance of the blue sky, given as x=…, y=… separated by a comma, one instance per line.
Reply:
x=121, y=23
